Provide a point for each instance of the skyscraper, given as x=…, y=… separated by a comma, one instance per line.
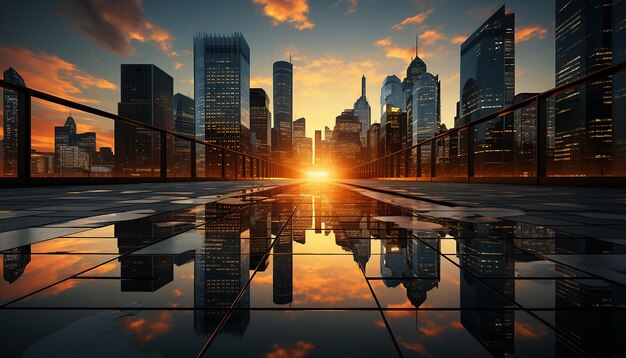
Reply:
x=10, y=124
x=488, y=67
x=302, y=145
x=222, y=90
x=73, y=152
x=583, y=115
x=184, y=124
x=619, y=89
x=363, y=110
x=391, y=94
x=346, y=139
x=283, y=107
x=146, y=96
x=260, y=122
x=426, y=107
x=416, y=68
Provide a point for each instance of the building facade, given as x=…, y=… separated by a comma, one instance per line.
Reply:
x=283, y=108
x=222, y=91
x=363, y=110
x=146, y=97
x=302, y=145
x=184, y=124
x=260, y=123
x=488, y=68
x=10, y=123
x=619, y=89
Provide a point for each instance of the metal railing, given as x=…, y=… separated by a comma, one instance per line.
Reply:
x=466, y=153
x=227, y=164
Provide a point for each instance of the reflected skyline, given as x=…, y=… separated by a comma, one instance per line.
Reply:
x=308, y=247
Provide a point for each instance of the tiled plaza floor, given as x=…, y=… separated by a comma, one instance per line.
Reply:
x=308, y=269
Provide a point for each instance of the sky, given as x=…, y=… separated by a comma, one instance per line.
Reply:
x=74, y=48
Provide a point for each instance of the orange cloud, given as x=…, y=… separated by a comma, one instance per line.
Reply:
x=414, y=346
x=49, y=73
x=178, y=65
x=525, y=330
x=457, y=40
x=146, y=329
x=431, y=37
x=415, y=20
x=530, y=33
x=297, y=350
x=384, y=42
x=52, y=74
x=287, y=11
x=112, y=24
x=402, y=53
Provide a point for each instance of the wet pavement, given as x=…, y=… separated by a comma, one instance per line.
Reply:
x=309, y=269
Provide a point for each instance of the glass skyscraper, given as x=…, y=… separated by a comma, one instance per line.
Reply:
x=10, y=123
x=583, y=115
x=146, y=96
x=363, y=110
x=222, y=90
x=619, y=89
x=488, y=68
x=391, y=94
x=283, y=107
x=184, y=123
x=426, y=107
x=260, y=122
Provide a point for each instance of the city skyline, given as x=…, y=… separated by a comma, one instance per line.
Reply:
x=87, y=72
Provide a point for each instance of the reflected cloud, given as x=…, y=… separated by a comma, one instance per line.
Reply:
x=297, y=350
x=147, y=329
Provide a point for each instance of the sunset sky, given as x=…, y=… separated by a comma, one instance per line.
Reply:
x=74, y=48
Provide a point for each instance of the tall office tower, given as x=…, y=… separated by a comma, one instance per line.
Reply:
x=373, y=135
x=416, y=68
x=392, y=130
x=488, y=67
x=318, y=147
x=619, y=89
x=260, y=123
x=283, y=107
x=302, y=145
x=391, y=94
x=146, y=96
x=222, y=90
x=299, y=128
x=10, y=123
x=425, y=107
x=73, y=152
x=184, y=124
x=363, y=110
x=346, y=141
x=583, y=115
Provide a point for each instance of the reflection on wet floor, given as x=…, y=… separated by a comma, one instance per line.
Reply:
x=310, y=270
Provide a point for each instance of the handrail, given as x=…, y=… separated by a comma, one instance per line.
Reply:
x=603, y=73
x=101, y=113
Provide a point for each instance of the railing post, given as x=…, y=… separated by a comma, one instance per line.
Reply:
x=223, y=163
x=470, y=153
x=418, y=162
x=542, y=131
x=192, y=160
x=163, y=167
x=23, y=137
x=243, y=166
x=433, y=159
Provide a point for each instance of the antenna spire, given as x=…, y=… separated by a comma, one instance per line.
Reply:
x=289, y=57
x=416, y=45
